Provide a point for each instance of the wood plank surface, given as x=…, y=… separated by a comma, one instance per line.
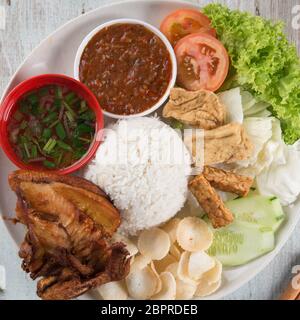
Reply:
x=30, y=21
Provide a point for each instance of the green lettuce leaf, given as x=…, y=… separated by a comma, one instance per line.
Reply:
x=264, y=60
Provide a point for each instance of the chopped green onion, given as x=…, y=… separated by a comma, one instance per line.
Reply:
x=52, y=116
x=70, y=110
x=64, y=146
x=69, y=97
x=35, y=109
x=26, y=150
x=23, y=125
x=47, y=133
x=40, y=109
x=38, y=146
x=84, y=128
x=70, y=116
x=83, y=107
x=47, y=145
x=24, y=107
x=87, y=115
x=85, y=140
x=79, y=153
x=58, y=92
x=23, y=139
x=54, y=124
x=18, y=116
x=77, y=143
x=34, y=151
x=50, y=145
x=49, y=164
x=57, y=103
x=60, y=131
x=33, y=98
x=75, y=102
x=83, y=104
x=43, y=92
x=23, y=154
x=58, y=161
x=55, y=135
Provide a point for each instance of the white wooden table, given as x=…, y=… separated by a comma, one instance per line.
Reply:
x=30, y=21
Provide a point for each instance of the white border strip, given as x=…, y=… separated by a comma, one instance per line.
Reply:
x=2, y=278
x=2, y=18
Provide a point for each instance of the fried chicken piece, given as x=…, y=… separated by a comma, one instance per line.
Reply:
x=211, y=202
x=228, y=181
x=226, y=144
x=70, y=222
x=201, y=109
x=48, y=177
x=83, y=194
x=67, y=286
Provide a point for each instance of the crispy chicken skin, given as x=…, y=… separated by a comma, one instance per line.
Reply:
x=228, y=181
x=201, y=109
x=43, y=190
x=210, y=201
x=65, y=285
x=48, y=177
x=70, y=222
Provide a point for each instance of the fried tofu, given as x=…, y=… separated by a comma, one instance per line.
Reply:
x=226, y=144
x=201, y=109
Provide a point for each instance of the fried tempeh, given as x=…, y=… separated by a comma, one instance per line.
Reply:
x=228, y=181
x=211, y=202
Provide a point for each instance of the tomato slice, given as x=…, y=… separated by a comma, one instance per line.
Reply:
x=183, y=22
x=203, y=62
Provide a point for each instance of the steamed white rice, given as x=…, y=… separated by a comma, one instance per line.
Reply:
x=143, y=166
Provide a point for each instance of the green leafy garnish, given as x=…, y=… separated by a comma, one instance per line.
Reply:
x=264, y=61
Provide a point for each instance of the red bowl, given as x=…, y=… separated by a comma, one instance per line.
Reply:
x=9, y=106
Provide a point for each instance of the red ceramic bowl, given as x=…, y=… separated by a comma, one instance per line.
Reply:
x=9, y=106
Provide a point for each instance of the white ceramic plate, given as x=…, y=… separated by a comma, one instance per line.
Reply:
x=56, y=54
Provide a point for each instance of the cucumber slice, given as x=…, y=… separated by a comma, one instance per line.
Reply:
x=241, y=242
x=262, y=210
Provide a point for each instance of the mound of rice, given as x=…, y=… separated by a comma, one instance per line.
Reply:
x=143, y=166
